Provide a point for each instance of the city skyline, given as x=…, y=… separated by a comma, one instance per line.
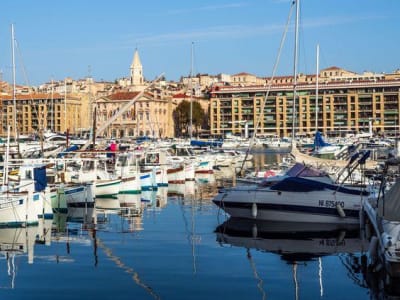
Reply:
x=56, y=40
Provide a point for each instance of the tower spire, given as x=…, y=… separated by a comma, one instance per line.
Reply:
x=136, y=69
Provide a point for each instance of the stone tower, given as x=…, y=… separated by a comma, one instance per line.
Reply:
x=136, y=70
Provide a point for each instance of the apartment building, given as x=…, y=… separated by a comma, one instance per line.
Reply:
x=33, y=113
x=346, y=102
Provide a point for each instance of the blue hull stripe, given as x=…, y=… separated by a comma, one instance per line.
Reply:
x=353, y=213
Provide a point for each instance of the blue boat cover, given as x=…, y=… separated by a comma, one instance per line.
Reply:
x=39, y=175
x=198, y=143
x=319, y=141
x=301, y=184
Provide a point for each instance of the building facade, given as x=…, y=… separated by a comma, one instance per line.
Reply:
x=148, y=116
x=345, y=103
x=33, y=113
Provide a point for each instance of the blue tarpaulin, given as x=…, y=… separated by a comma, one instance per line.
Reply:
x=198, y=143
x=39, y=175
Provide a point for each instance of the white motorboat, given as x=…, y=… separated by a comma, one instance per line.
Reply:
x=295, y=198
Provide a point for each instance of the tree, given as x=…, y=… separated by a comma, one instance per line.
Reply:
x=182, y=117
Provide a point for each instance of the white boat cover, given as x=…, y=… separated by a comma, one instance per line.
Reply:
x=389, y=206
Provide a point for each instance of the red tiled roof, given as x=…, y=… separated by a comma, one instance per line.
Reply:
x=333, y=68
x=180, y=96
x=123, y=96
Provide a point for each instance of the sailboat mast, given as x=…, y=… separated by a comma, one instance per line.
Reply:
x=296, y=39
x=65, y=105
x=316, y=91
x=14, y=83
x=191, y=91
x=52, y=106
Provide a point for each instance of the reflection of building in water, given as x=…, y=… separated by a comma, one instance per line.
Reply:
x=132, y=218
x=162, y=197
x=131, y=202
x=206, y=191
x=184, y=190
x=135, y=223
x=83, y=215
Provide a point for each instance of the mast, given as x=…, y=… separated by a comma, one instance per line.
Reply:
x=14, y=83
x=191, y=91
x=296, y=42
x=52, y=106
x=316, y=91
x=65, y=105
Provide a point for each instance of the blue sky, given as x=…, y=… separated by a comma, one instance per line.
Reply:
x=75, y=38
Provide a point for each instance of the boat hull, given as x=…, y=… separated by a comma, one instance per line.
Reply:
x=107, y=188
x=270, y=205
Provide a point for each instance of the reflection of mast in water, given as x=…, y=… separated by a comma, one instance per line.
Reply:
x=321, y=287
x=17, y=241
x=96, y=258
x=296, y=284
x=193, y=239
x=127, y=269
x=191, y=236
x=260, y=281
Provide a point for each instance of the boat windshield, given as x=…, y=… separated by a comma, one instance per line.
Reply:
x=301, y=170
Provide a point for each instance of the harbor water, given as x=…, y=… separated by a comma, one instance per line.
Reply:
x=181, y=246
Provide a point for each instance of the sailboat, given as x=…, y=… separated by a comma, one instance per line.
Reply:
x=296, y=198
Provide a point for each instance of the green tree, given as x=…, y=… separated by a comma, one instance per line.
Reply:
x=182, y=117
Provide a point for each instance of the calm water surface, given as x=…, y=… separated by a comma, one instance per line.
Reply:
x=183, y=247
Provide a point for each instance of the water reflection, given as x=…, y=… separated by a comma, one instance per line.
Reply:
x=298, y=243
x=292, y=241
x=19, y=243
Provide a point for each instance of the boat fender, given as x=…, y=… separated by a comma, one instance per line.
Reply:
x=340, y=211
x=387, y=240
x=254, y=210
x=254, y=231
x=373, y=250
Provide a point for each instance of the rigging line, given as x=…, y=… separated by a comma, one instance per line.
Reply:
x=22, y=63
x=33, y=107
x=302, y=51
x=257, y=124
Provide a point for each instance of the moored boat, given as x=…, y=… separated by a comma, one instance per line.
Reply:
x=314, y=198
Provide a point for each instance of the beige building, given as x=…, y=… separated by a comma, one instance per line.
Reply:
x=347, y=102
x=34, y=113
x=246, y=79
x=150, y=115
